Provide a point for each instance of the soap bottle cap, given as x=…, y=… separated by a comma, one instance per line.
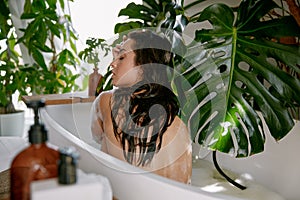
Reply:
x=37, y=133
x=67, y=165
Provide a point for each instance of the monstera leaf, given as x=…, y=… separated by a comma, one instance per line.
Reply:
x=235, y=82
x=148, y=14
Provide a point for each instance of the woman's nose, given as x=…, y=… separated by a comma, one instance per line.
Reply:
x=113, y=64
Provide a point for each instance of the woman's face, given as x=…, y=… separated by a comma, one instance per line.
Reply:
x=125, y=73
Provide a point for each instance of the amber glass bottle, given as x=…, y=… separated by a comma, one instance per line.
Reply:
x=36, y=162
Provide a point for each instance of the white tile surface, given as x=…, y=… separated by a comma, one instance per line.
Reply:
x=9, y=148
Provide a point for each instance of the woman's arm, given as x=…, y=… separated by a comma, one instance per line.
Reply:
x=99, y=113
x=97, y=120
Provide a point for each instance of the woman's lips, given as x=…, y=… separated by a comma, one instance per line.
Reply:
x=113, y=75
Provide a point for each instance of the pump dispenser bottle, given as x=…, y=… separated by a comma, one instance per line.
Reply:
x=36, y=162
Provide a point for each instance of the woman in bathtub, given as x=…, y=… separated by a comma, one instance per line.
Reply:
x=137, y=121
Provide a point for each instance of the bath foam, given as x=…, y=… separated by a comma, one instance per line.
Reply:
x=207, y=178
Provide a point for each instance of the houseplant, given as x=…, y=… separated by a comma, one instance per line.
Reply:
x=234, y=64
x=12, y=76
x=48, y=39
x=96, y=48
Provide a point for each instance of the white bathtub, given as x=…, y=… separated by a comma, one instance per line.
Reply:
x=277, y=168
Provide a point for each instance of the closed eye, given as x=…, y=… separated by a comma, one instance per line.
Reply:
x=122, y=54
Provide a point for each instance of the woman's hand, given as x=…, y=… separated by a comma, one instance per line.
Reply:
x=116, y=49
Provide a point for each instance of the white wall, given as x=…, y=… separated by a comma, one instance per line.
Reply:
x=96, y=18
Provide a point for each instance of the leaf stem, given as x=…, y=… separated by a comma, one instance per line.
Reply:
x=234, y=38
x=224, y=175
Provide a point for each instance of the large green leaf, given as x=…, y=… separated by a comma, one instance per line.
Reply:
x=149, y=14
x=237, y=80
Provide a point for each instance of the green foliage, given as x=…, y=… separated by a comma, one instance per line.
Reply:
x=49, y=35
x=149, y=14
x=96, y=49
x=11, y=68
x=91, y=54
x=234, y=71
x=49, y=40
x=251, y=76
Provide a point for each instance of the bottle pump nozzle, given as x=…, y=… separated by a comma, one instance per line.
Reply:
x=67, y=165
x=37, y=133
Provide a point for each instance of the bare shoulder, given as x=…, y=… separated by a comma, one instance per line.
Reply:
x=103, y=98
x=101, y=103
x=105, y=95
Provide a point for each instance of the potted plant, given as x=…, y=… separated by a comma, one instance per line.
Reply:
x=50, y=39
x=50, y=69
x=96, y=48
x=234, y=68
x=11, y=76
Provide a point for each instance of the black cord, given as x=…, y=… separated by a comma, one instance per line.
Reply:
x=223, y=174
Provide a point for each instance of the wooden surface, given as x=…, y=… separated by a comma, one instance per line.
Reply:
x=67, y=98
x=5, y=185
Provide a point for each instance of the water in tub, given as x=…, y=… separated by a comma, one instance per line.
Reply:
x=206, y=177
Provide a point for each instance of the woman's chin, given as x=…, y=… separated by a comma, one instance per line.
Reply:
x=114, y=82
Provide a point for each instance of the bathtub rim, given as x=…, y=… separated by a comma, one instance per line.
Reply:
x=103, y=157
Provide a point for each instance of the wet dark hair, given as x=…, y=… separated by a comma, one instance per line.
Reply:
x=142, y=113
